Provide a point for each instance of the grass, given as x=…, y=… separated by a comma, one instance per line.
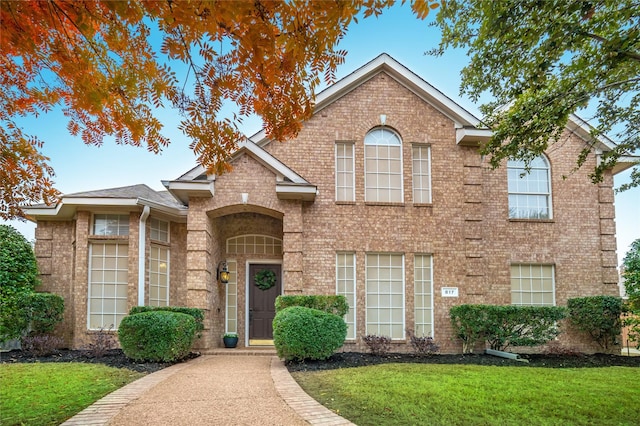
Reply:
x=412, y=394
x=50, y=393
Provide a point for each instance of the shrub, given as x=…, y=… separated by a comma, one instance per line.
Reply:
x=332, y=304
x=197, y=314
x=378, y=345
x=522, y=325
x=102, y=341
x=18, y=277
x=46, y=310
x=41, y=344
x=423, y=345
x=504, y=326
x=157, y=335
x=599, y=316
x=469, y=325
x=301, y=333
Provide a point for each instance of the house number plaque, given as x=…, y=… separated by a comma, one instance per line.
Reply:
x=449, y=291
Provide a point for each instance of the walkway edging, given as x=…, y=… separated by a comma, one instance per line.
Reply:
x=299, y=401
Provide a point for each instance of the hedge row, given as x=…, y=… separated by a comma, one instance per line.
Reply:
x=197, y=314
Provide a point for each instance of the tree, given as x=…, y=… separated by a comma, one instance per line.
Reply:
x=18, y=279
x=100, y=62
x=631, y=275
x=544, y=60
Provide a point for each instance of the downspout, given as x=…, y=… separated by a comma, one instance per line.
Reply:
x=142, y=234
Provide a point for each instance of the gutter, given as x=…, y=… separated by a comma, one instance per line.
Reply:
x=142, y=237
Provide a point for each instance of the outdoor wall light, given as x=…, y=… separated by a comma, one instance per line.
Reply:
x=223, y=272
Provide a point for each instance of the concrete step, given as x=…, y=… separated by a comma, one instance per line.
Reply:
x=251, y=351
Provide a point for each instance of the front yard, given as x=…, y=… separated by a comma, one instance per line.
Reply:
x=416, y=394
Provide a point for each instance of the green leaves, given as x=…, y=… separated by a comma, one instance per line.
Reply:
x=598, y=316
x=541, y=62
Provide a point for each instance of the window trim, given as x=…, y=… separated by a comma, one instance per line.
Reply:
x=529, y=264
x=159, y=231
x=548, y=194
x=400, y=174
x=415, y=293
x=168, y=273
x=352, y=309
x=90, y=282
x=413, y=174
x=404, y=295
x=353, y=171
x=92, y=232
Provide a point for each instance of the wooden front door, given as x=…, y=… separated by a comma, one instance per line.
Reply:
x=262, y=302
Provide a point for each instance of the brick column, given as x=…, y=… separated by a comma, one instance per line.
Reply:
x=609, y=257
x=474, y=216
x=200, y=268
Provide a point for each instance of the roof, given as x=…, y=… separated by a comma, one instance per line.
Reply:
x=133, y=197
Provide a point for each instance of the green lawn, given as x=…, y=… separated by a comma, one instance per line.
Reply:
x=50, y=393
x=420, y=394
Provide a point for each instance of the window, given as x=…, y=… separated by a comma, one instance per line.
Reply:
x=345, y=169
x=111, y=224
x=423, y=295
x=383, y=166
x=532, y=285
x=421, y=174
x=231, y=289
x=159, y=276
x=529, y=192
x=159, y=230
x=254, y=244
x=346, y=286
x=159, y=259
x=385, y=295
x=108, y=278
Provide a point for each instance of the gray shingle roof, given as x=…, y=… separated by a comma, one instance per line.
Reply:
x=133, y=191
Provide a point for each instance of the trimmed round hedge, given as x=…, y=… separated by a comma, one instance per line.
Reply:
x=157, y=336
x=301, y=333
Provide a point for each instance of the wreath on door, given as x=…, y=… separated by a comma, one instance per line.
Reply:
x=265, y=279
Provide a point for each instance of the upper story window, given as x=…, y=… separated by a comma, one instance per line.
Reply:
x=345, y=172
x=529, y=191
x=421, y=174
x=383, y=166
x=111, y=224
x=159, y=230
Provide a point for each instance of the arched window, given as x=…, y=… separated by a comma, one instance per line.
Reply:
x=529, y=191
x=383, y=166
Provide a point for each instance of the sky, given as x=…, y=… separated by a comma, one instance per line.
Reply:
x=397, y=32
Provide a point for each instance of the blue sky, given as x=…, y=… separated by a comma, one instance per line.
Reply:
x=397, y=32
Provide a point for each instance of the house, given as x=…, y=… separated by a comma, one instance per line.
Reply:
x=382, y=198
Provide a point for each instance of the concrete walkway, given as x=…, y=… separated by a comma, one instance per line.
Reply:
x=211, y=390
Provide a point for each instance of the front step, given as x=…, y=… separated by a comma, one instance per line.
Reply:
x=250, y=351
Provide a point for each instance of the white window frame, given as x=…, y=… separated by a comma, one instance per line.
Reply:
x=518, y=175
x=423, y=288
x=373, y=327
x=350, y=189
x=526, y=283
x=157, y=232
x=371, y=139
x=419, y=173
x=121, y=224
x=98, y=287
x=163, y=276
x=231, y=298
x=349, y=292
x=254, y=244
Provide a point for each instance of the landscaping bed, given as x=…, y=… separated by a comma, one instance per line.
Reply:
x=356, y=359
x=112, y=358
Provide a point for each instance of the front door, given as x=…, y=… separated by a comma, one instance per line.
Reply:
x=265, y=284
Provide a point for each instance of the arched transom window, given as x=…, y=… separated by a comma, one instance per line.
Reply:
x=529, y=191
x=254, y=244
x=383, y=166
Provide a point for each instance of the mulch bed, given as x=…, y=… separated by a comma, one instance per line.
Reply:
x=112, y=358
x=116, y=358
x=356, y=359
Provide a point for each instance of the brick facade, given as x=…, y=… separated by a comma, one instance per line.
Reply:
x=466, y=228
